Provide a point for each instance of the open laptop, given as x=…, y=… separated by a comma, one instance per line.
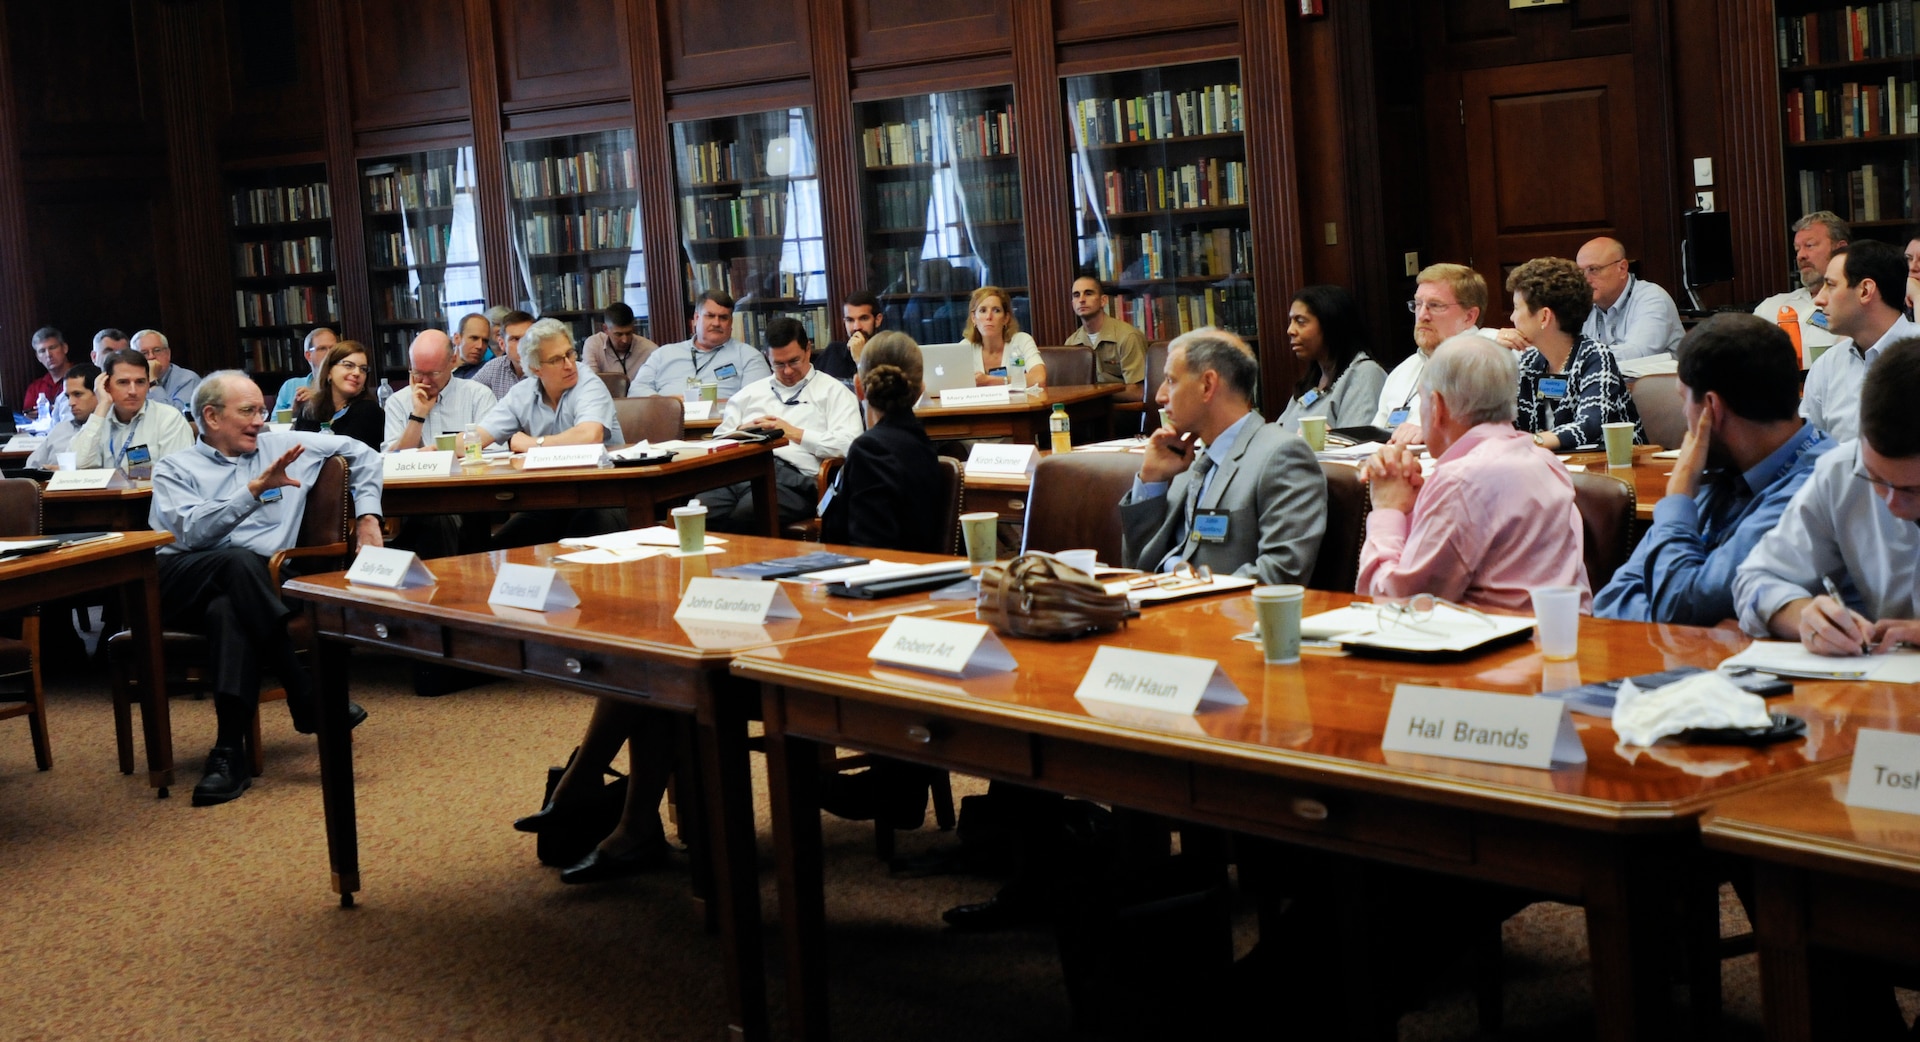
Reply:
x=945, y=367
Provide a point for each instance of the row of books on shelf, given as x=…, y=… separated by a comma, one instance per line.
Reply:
x=909, y=271
x=978, y=136
x=600, y=228
x=391, y=347
x=909, y=205
x=310, y=255
x=1871, y=192
x=271, y=354
x=746, y=277
x=750, y=327
x=421, y=244
x=1159, y=115
x=612, y=170
x=1207, y=182
x=397, y=190
x=401, y=304
x=755, y=211
x=1195, y=253
x=711, y=161
x=1855, y=32
x=1163, y=316
x=1852, y=110
x=288, y=306
x=593, y=290
x=281, y=205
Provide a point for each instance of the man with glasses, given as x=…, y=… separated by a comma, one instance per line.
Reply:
x=50, y=349
x=1631, y=317
x=710, y=355
x=433, y=402
x=106, y=342
x=319, y=341
x=172, y=384
x=128, y=429
x=1447, y=299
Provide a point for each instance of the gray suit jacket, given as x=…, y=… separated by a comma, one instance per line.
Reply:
x=1276, y=500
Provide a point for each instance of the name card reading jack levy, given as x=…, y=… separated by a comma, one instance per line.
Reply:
x=1886, y=772
x=955, y=649
x=388, y=567
x=548, y=456
x=92, y=477
x=734, y=600
x=1153, y=680
x=435, y=464
x=1483, y=726
x=531, y=587
x=997, y=395
x=1009, y=460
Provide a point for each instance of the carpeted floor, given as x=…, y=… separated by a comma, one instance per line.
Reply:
x=125, y=917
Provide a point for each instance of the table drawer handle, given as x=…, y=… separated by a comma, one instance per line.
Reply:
x=920, y=734
x=573, y=666
x=380, y=630
x=504, y=497
x=1309, y=809
x=1016, y=505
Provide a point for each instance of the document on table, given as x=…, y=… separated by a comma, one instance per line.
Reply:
x=1383, y=627
x=858, y=575
x=658, y=535
x=1789, y=658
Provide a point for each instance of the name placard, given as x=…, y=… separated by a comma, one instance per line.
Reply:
x=23, y=443
x=385, y=566
x=1156, y=681
x=1010, y=460
x=92, y=477
x=549, y=456
x=433, y=464
x=698, y=410
x=1886, y=772
x=734, y=600
x=530, y=587
x=1481, y=725
x=999, y=395
x=955, y=649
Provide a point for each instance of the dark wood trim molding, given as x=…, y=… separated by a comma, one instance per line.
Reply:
x=1044, y=196
x=16, y=278
x=839, y=170
x=1274, y=196
x=1752, y=184
x=343, y=179
x=204, y=327
x=653, y=153
x=489, y=154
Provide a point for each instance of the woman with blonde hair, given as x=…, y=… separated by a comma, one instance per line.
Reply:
x=997, y=340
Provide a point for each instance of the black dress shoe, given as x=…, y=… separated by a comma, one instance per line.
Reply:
x=550, y=816
x=996, y=913
x=225, y=777
x=303, y=712
x=599, y=865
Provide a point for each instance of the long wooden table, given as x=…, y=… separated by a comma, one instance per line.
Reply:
x=1024, y=418
x=97, y=510
x=1302, y=763
x=621, y=642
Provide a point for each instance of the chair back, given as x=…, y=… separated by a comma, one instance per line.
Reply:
x=1068, y=366
x=651, y=418
x=1075, y=503
x=616, y=384
x=953, y=489
x=1156, y=371
x=328, y=517
x=19, y=507
x=1658, y=400
x=1348, y=503
x=1606, y=523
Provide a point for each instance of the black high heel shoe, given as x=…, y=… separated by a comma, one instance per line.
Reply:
x=550, y=816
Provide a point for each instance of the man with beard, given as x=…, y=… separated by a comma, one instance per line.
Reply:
x=1815, y=237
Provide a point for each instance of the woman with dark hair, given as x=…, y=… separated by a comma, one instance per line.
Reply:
x=1912, y=251
x=1338, y=379
x=889, y=493
x=343, y=401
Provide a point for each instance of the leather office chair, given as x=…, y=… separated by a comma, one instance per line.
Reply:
x=1075, y=503
x=1606, y=521
x=1145, y=408
x=20, y=517
x=1068, y=366
x=1349, y=500
x=1658, y=400
x=326, y=531
x=616, y=384
x=652, y=418
x=955, y=489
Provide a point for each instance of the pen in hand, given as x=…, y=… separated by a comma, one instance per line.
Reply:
x=1834, y=592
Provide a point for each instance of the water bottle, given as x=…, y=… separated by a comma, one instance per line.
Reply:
x=1062, y=428
x=1789, y=320
x=42, y=409
x=1017, y=372
x=383, y=392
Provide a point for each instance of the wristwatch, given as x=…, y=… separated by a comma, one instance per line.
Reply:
x=540, y=441
x=417, y=419
x=1539, y=439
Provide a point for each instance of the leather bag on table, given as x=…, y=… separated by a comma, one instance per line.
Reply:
x=1037, y=595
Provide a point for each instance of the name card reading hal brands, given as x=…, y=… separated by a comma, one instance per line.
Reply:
x=734, y=600
x=998, y=395
x=531, y=587
x=1481, y=725
x=550, y=456
x=955, y=649
x=385, y=566
x=1009, y=460
x=93, y=477
x=435, y=464
x=1886, y=772
x=1152, y=680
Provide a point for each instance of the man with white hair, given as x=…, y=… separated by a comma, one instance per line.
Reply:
x=106, y=342
x=1496, y=517
x=172, y=384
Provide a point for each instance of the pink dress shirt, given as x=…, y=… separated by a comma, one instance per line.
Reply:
x=1494, y=520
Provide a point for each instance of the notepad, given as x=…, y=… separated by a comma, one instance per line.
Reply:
x=1791, y=659
x=1361, y=626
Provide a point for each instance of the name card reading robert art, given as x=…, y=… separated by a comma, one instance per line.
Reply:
x=548, y=456
x=385, y=566
x=734, y=600
x=1481, y=725
x=531, y=587
x=998, y=395
x=1886, y=772
x=434, y=464
x=94, y=477
x=956, y=649
x=1002, y=459
x=1152, y=680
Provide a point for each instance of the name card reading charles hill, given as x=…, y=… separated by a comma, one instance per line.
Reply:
x=1481, y=725
x=1009, y=460
x=734, y=600
x=1152, y=680
x=388, y=567
x=956, y=649
x=531, y=587
x=434, y=464
x=547, y=456
x=997, y=395
x=1886, y=772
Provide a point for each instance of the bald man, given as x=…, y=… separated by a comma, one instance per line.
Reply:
x=433, y=402
x=1630, y=317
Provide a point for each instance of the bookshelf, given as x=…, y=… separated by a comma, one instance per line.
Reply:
x=748, y=188
x=1157, y=159
x=423, y=251
x=284, y=283
x=940, y=195
x=573, y=204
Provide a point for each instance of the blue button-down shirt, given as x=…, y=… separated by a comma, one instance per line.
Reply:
x=732, y=365
x=200, y=495
x=1217, y=449
x=525, y=408
x=1642, y=322
x=176, y=388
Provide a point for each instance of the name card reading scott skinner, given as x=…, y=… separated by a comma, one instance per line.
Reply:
x=549, y=456
x=734, y=600
x=1152, y=680
x=956, y=649
x=1002, y=459
x=531, y=587
x=999, y=395
x=1886, y=772
x=93, y=477
x=700, y=410
x=1481, y=725
x=385, y=566
x=433, y=464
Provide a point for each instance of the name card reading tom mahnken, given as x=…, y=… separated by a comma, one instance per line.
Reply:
x=388, y=567
x=734, y=600
x=92, y=477
x=548, y=456
x=1481, y=725
x=434, y=464
x=997, y=395
x=1153, y=680
x=955, y=649
x=1008, y=460
x=531, y=587
x=1886, y=772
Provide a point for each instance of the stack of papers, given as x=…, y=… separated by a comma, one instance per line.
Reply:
x=658, y=535
x=1137, y=443
x=1151, y=594
x=1364, y=450
x=1650, y=365
x=1788, y=658
x=856, y=576
x=1379, y=627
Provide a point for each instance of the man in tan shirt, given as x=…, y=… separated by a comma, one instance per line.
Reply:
x=1119, y=350
x=617, y=350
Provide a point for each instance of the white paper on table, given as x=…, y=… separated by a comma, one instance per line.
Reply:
x=1789, y=658
x=1447, y=629
x=658, y=535
x=876, y=571
x=620, y=555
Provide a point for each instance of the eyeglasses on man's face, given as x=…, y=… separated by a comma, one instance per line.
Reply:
x=1431, y=307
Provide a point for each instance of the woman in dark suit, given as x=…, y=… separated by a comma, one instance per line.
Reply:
x=889, y=494
x=343, y=401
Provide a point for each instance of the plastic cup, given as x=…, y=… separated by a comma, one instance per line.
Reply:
x=709, y=392
x=67, y=460
x=283, y=415
x=1556, y=613
x=690, y=523
x=447, y=442
x=470, y=439
x=1619, y=438
x=1314, y=429
x=1278, y=610
x=982, y=533
x=1079, y=560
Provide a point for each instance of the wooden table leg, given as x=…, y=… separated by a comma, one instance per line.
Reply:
x=141, y=602
x=1780, y=931
x=336, y=767
x=722, y=723
x=1629, y=928
x=793, y=782
x=766, y=496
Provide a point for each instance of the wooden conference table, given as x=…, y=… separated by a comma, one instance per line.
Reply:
x=621, y=642
x=1302, y=763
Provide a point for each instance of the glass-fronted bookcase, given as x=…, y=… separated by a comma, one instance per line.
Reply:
x=284, y=275
x=423, y=250
x=573, y=203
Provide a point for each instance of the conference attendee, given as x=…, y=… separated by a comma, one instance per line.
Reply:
x=1815, y=237
x=500, y=375
x=1865, y=316
x=997, y=340
x=476, y=338
x=128, y=427
x=861, y=318
x=1338, y=379
x=817, y=416
x=1569, y=385
x=890, y=491
x=1853, y=523
x=106, y=342
x=343, y=401
x=50, y=349
x=1119, y=350
x=433, y=402
x=1631, y=317
x=1447, y=300
x=319, y=341
x=1746, y=453
x=1913, y=269
x=616, y=350
x=1222, y=487
x=172, y=384
x=80, y=404
x=231, y=501
x=710, y=355
x=1496, y=517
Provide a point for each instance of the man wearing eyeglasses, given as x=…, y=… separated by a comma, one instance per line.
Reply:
x=172, y=384
x=433, y=402
x=297, y=389
x=1851, y=529
x=1447, y=300
x=1631, y=317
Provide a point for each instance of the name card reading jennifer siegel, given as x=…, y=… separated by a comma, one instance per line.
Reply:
x=1481, y=725
x=1886, y=772
x=734, y=600
x=955, y=649
x=91, y=478
x=531, y=587
x=417, y=465
x=1152, y=680
x=385, y=566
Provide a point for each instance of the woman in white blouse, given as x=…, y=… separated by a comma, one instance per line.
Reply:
x=997, y=340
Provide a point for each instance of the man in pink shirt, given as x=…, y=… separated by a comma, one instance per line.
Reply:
x=1495, y=519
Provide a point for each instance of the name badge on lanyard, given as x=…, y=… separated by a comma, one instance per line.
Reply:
x=1310, y=397
x=1554, y=387
x=1209, y=526
x=725, y=372
x=137, y=455
x=1398, y=416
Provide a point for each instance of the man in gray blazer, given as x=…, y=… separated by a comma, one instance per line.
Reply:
x=1223, y=487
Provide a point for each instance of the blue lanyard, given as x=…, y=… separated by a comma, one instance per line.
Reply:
x=342, y=411
x=116, y=453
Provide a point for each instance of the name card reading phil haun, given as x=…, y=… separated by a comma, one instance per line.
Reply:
x=1152, y=680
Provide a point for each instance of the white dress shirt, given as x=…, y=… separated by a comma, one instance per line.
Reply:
x=826, y=412
x=1642, y=322
x=1402, y=387
x=461, y=403
x=105, y=441
x=1801, y=301
x=1831, y=399
x=59, y=439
